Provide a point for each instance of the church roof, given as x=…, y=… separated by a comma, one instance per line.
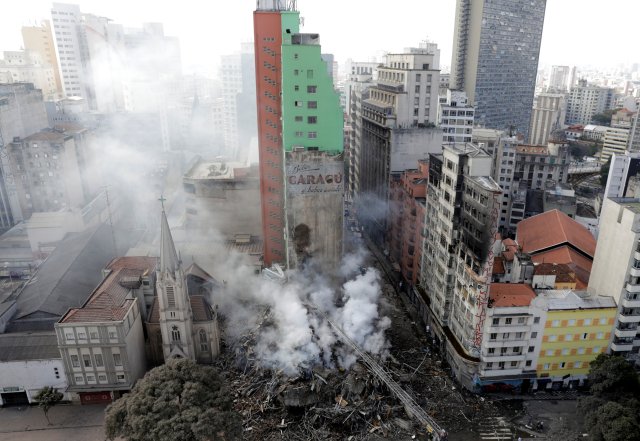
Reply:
x=169, y=261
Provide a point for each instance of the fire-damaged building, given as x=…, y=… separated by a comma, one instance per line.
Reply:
x=300, y=128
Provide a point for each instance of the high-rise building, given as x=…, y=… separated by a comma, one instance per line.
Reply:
x=398, y=129
x=461, y=222
x=456, y=117
x=300, y=133
x=618, y=136
x=495, y=59
x=28, y=67
x=238, y=97
x=615, y=271
x=559, y=80
x=587, y=100
x=549, y=111
x=39, y=39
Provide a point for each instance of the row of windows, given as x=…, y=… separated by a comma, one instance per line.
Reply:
x=296, y=72
x=102, y=378
x=509, y=321
x=574, y=351
x=98, y=361
x=310, y=119
x=574, y=322
x=93, y=334
x=310, y=135
x=583, y=336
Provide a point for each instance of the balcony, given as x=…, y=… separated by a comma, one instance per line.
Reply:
x=497, y=357
x=629, y=318
x=500, y=372
x=635, y=272
x=621, y=347
x=632, y=288
x=630, y=303
x=636, y=254
x=504, y=343
x=625, y=332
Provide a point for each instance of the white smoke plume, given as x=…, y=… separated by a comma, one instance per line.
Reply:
x=275, y=324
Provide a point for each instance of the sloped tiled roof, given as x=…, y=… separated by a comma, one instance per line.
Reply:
x=133, y=262
x=29, y=346
x=553, y=229
x=505, y=295
x=580, y=264
x=199, y=306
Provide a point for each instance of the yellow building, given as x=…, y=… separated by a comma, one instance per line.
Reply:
x=576, y=330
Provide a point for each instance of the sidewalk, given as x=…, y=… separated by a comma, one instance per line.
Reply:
x=68, y=423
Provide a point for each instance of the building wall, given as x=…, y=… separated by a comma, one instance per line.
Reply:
x=575, y=338
x=585, y=101
x=31, y=376
x=548, y=115
x=615, y=141
x=268, y=41
x=40, y=39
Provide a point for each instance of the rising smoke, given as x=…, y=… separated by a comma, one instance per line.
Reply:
x=274, y=325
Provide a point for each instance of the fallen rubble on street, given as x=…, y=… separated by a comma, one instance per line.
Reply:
x=353, y=404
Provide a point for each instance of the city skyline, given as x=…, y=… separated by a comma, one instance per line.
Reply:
x=390, y=30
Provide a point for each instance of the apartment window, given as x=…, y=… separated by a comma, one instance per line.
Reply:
x=121, y=378
x=298, y=118
x=603, y=320
x=508, y=321
x=528, y=363
x=549, y=353
x=113, y=335
x=86, y=359
x=568, y=337
x=418, y=78
x=312, y=89
x=577, y=365
x=102, y=378
x=296, y=88
x=299, y=134
x=546, y=366
x=312, y=135
x=587, y=321
x=491, y=350
x=495, y=321
x=519, y=335
x=597, y=349
x=75, y=361
x=417, y=88
x=563, y=365
x=505, y=336
x=572, y=322
x=503, y=351
x=555, y=323
x=79, y=379
x=82, y=336
x=94, y=335
x=600, y=335
x=489, y=365
x=534, y=335
x=312, y=104
x=117, y=360
x=69, y=336
x=580, y=351
x=91, y=378
x=295, y=56
x=565, y=351
x=584, y=336
x=312, y=119
x=493, y=336
x=297, y=103
x=536, y=320
x=532, y=348
x=521, y=320
x=553, y=338
x=501, y=365
x=99, y=361
x=514, y=363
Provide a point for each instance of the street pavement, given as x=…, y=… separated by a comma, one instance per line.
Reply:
x=68, y=423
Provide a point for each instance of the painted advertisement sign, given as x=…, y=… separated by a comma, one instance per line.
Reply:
x=305, y=178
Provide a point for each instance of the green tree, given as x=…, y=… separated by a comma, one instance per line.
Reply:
x=604, y=118
x=611, y=410
x=47, y=397
x=179, y=401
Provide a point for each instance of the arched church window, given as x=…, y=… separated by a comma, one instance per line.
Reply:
x=171, y=297
x=204, y=347
x=175, y=333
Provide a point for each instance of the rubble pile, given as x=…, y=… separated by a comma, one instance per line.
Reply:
x=336, y=404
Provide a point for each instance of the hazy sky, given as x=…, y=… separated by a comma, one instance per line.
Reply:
x=579, y=32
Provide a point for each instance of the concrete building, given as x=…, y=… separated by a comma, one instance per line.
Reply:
x=39, y=39
x=561, y=197
x=407, y=199
x=549, y=111
x=300, y=129
x=617, y=138
x=622, y=172
x=50, y=170
x=398, y=129
x=559, y=79
x=536, y=165
x=22, y=113
x=591, y=132
x=492, y=41
x=616, y=272
x=587, y=100
x=28, y=67
x=216, y=192
x=461, y=223
x=237, y=72
x=456, y=117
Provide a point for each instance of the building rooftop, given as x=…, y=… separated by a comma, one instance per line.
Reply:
x=486, y=182
x=28, y=346
x=567, y=299
x=632, y=204
x=205, y=169
x=505, y=295
x=580, y=264
x=553, y=229
x=199, y=306
x=532, y=149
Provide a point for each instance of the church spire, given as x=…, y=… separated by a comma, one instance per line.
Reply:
x=168, y=257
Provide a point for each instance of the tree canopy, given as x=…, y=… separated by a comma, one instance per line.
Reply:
x=611, y=410
x=178, y=401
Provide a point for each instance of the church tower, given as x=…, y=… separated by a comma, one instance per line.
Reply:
x=176, y=317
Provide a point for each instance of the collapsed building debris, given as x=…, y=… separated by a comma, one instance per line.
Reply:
x=321, y=403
